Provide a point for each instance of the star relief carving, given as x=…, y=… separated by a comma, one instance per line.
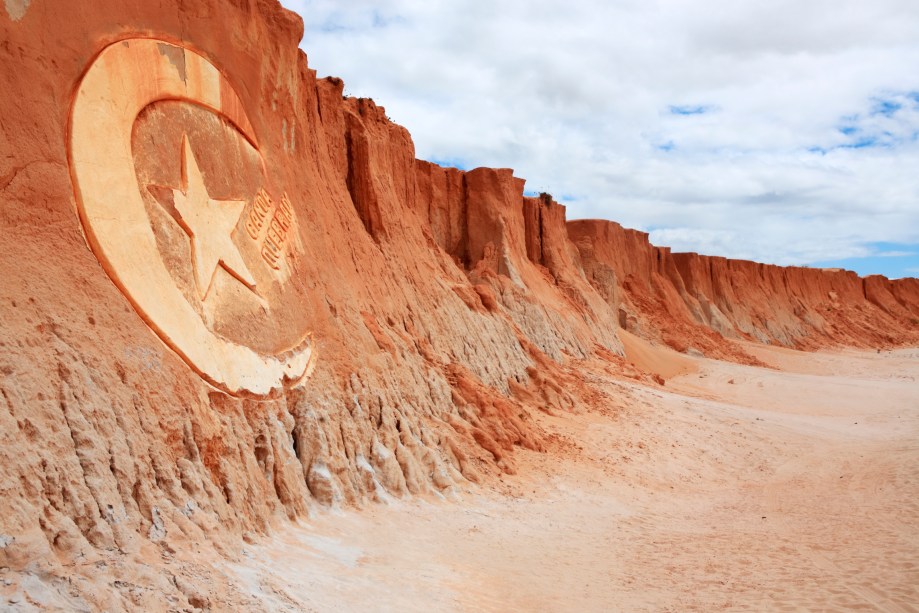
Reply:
x=210, y=225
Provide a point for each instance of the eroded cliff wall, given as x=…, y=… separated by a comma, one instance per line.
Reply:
x=444, y=305
x=694, y=301
x=437, y=299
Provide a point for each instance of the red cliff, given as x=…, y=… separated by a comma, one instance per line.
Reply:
x=690, y=300
x=444, y=306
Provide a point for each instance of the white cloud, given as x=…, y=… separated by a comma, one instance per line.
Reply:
x=783, y=130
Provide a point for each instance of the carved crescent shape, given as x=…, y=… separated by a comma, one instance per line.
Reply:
x=126, y=77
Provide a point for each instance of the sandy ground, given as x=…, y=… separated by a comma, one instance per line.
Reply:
x=731, y=488
x=788, y=488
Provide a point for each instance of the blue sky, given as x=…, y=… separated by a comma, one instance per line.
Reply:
x=889, y=259
x=784, y=131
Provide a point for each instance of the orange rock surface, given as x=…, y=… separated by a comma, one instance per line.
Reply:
x=695, y=301
x=445, y=307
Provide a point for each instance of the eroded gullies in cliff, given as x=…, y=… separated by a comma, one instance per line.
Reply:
x=195, y=222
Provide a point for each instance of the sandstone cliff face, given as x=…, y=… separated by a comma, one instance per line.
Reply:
x=689, y=300
x=444, y=305
x=431, y=318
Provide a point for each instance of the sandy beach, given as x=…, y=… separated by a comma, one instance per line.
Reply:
x=791, y=488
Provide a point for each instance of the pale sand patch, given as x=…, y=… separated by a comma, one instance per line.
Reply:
x=656, y=359
x=733, y=488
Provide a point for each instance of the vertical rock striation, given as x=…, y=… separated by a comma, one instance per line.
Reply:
x=692, y=300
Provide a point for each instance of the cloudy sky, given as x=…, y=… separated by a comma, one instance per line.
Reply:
x=784, y=131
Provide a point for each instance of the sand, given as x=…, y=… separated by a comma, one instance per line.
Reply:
x=655, y=359
x=788, y=488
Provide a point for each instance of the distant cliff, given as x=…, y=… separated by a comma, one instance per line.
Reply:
x=682, y=298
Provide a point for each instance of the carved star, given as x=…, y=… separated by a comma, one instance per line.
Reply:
x=210, y=224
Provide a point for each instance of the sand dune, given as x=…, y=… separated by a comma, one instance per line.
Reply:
x=732, y=488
